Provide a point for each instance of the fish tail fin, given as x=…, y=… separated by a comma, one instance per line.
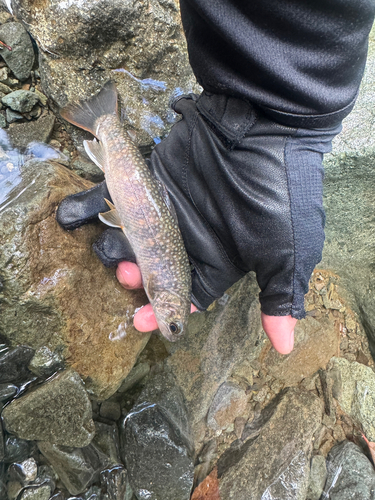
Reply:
x=84, y=114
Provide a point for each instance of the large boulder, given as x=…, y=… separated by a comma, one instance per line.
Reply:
x=55, y=291
x=350, y=203
x=140, y=45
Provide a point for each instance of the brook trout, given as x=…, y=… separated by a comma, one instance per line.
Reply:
x=139, y=208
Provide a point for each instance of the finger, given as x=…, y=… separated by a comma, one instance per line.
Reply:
x=129, y=275
x=280, y=331
x=145, y=321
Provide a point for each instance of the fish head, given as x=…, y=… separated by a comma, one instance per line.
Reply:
x=172, y=312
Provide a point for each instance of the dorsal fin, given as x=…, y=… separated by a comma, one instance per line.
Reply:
x=84, y=114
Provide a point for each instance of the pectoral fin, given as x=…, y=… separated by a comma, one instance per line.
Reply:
x=111, y=218
x=95, y=152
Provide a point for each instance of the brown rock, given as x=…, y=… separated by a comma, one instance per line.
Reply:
x=316, y=343
x=56, y=292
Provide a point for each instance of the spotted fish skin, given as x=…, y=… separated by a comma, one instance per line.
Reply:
x=141, y=211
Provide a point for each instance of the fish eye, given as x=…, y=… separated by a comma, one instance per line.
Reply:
x=174, y=328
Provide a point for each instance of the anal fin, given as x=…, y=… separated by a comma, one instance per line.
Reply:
x=95, y=152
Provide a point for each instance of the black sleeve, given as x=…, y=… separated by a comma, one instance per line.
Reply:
x=300, y=60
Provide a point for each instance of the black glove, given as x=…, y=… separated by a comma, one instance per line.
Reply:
x=248, y=196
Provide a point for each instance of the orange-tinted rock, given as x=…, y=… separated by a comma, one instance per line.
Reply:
x=57, y=293
x=208, y=489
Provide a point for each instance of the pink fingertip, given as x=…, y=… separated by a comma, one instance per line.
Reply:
x=144, y=319
x=129, y=275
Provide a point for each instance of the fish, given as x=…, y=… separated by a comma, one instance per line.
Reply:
x=140, y=207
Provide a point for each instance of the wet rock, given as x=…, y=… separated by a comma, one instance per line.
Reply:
x=12, y=116
x=36, y=493
x=87, y=169
x=7, y=391
x=22, y=134
x=17, y=450
x=57, y=293
x=24, y=472
x=216, y=342
x=46, y=476
x=13, y=364
x=108, y=441
x=229, y=402
x=315, y=344
x=355, y=391
x=3, y=121
x=350, y=474
x=2, y=448
x=114, y=481
x=45, y=362
x=77, y=468
x=57, y=411
x=317, y=479
x=21, y=59
x=21, y=100
x=110, y=410
x=158, y=450
x=14, y=488
x=86, y=44
x=273, y=462
x=349, y=194
x=137, y=373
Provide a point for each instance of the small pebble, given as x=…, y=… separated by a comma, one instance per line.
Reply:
x=110, y=410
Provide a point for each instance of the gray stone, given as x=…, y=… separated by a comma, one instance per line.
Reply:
x=12, y=116
x=36, y=493
x=2, y=448
x=273, y=462
x=110, y=410
x=3, y=122
x=217, y=341
x=350, y=474
x=86, y=169
x=13, y=364
x=115, y=482
x=229, y=402
x=46, y=476
x=21, y=59
x=7, y=391
x=16, y=450
x=77, y=468
x=349, y=194
x=58, y=411
x=108, y=441
x=22, y=134
x=24, y=472
x=21, y=100
x=83, y=46
x=317, y=479
x=157, y=444
x=356, y=393
x=45, y=362
x=137, y=373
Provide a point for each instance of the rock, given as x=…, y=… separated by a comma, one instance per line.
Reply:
x=57, y=293
x=137, y=373
x=17, y=450
x=22, y=134
x=36, y=493
x=86, y=169
x=21, y=59
x=315, y=344
x=110, y=410
x=13, y=364
x=12, y=116
x=87, y=44
x=14, y=488
x=355, y=391
x=229, y=402
x=216, y=342
x=349, y=193
x=46, y=476
x=24, y=472
x=3, y=122
x=45, y=362
x=2, y=448
x=57, y=411
x=108, y=441
x=114, y=481
x=21, y=100
x=77, y=468
x=317, y=479
x=157, y=444
x=350, y=474
x=273, y=461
